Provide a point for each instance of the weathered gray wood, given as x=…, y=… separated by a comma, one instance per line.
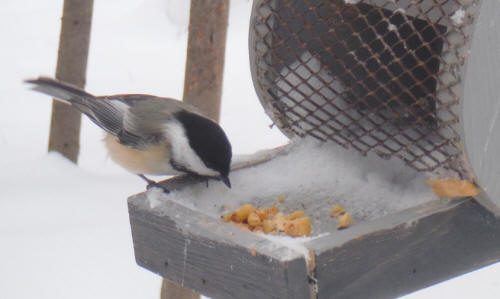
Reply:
x=213, y=258
x=392, y=257
x=71, y=67
x=383, y=258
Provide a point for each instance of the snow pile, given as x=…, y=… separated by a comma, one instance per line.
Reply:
x=64, y=228
x=314, y=176
x=295, y=245
x=154, y=196
x=458, y=17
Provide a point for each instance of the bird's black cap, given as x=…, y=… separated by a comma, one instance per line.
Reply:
x=209, y=142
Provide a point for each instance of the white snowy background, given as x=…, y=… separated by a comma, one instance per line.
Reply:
x=64, y=230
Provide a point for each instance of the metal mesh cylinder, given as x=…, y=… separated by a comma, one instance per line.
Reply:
x=378, y=75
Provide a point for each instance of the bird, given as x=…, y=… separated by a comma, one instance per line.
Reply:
x=150, y=135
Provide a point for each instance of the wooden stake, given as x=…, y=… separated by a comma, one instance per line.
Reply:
x=205, y=55
x=170, y=290
x=71, y=67
x=203, y=80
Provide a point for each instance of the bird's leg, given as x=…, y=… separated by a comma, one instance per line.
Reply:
x=152, y=184
x=207, y=182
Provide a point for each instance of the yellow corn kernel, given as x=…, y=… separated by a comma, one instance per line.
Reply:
x=345, y=220
x=253, y=219
x=241, y=215
x=268, y=226
x=227, y=217
x=337, y=210
x=453, y=188
x=272, y=211
x=262, y=214
x=295, y=215
x=298, y=227
x=279, y=221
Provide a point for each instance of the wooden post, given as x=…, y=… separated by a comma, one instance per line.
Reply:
x=203, y=80
x=170, y=290
x=71, y=67
x=205, y=55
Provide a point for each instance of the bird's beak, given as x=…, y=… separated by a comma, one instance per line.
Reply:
x=225, y=180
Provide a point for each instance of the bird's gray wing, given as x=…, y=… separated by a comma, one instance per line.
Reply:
x=106, y=114
x=136, y=119
x=144, y=117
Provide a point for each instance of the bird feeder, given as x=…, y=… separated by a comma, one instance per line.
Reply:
x=415, y=81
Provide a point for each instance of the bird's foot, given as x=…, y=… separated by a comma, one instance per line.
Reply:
x=153, y=184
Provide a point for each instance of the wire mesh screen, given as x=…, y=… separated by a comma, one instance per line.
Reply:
x=379, y=75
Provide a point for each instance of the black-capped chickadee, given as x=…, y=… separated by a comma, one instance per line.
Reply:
x=146, y=134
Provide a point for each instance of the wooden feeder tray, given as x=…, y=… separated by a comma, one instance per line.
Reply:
x=414, y=81
x=383, y=258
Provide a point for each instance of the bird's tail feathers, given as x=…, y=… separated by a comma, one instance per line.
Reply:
x=101, y=112
x=59, y=90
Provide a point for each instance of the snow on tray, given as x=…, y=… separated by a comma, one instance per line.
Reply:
x=313, y=176
x=458, y=17
x=294, y=245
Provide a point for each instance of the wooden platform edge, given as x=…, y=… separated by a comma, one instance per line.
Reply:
x=432, y=243
x=201, y=253
x=384, y=258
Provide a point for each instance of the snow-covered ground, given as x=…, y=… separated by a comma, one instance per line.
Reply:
x=64, y=230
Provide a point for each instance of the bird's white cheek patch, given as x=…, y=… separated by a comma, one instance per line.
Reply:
x=182, y=153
